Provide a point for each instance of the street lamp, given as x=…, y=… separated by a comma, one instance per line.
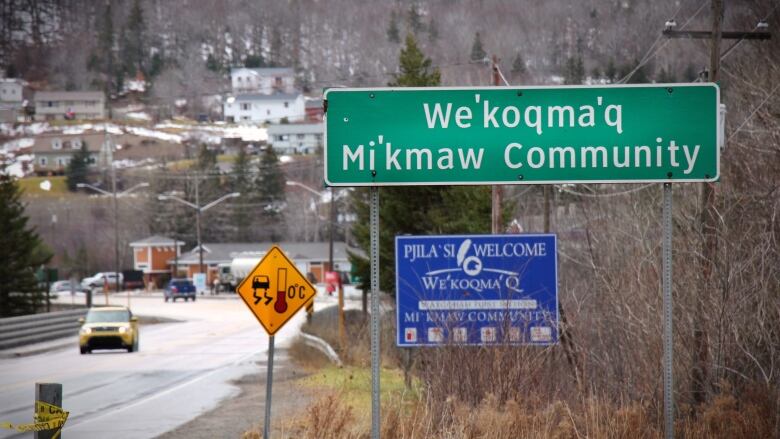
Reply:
x=331, y=225
x=116, y=221
x=199, y=210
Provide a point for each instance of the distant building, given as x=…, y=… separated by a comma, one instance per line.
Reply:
x=268, y=80
x=151, y=256
x=57, y=105
x=297, y=138
x=258, y=107
x=54, y=150
x=11, y=99
x=314, y=110
x=311, y=258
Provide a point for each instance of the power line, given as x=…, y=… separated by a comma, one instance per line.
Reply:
x=648, y=56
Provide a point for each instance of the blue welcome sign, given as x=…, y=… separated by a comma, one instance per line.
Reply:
x=476, y=290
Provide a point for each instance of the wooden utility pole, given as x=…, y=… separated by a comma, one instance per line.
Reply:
x=496, y=193
x=707, y=211
x=700, y=373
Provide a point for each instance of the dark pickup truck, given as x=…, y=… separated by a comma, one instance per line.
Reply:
x=178, y=288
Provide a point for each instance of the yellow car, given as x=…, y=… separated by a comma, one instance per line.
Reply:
x=109, y=327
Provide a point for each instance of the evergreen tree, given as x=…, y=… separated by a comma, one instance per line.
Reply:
x=212, y=63
x=415, y=69
x=253, y=61
x=416, y=209
x=393, y=34
x=156, y=64
x=22, y=252
x=242, y=183
x=433, y=31
x=103, y=60
x=414, y=20
x=270, y=185
x=214, y=223
x=275, y=55
x=575, y=71
x=135, y=44
x=642, y=74
x=611, y=71
x=690, y=75
x=478, y=54
x=78, y=168
x=518, y=66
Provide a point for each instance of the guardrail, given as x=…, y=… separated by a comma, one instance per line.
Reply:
x=322, y=346
x=36, y=328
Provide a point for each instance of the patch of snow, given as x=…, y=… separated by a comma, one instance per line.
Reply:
x=135, y=85
x=146, y=132
x=138, y=115
x=17, y=144
x=285, y=159
x=16, y=165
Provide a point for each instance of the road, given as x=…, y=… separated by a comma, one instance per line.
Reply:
x=182, y=369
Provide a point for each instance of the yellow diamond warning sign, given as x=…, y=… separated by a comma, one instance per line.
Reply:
x=275, y=290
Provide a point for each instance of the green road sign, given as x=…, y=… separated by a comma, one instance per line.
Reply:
x=522, y=135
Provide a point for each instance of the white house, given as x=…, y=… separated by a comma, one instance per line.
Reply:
x=50, y=105
x=258, y=108
x=267, y=80
x=297, y=138
x=11, y=99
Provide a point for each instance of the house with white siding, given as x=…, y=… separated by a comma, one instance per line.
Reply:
x=260, y=108
x=268, y=80
x=59, y=105
x=296, y=138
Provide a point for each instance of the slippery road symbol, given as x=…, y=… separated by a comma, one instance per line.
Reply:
x=261, y=283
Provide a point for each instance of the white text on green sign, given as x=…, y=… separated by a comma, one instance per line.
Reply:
x=640, y=133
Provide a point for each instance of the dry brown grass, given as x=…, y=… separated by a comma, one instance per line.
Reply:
x=725, y=418
x=509, y=392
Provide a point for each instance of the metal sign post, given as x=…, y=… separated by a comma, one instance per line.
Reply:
x=374, y=226
x=667, y=287
x=268, y=381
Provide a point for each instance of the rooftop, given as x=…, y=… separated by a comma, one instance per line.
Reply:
x=68, y=95
x=265, y=71
x=214, y=253
x=265, y=97
x=296, y=128
x=155, y=240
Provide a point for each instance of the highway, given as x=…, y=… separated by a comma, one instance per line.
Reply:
x=182, y=369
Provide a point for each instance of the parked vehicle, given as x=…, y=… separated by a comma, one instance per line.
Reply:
x=100, y=279
x=64, y=286
x=180, y=288
x=133, y=280
x=110, y=327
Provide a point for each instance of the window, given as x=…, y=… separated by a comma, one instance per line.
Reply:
x=245, y=106
x=300, y=136
x=75, y=143
x=51, y=104
x=42, y=161
x=239, y=79
x=56, y=144
x=286, y=105
x=62, y=161
x=91, y=160
x=267, y=112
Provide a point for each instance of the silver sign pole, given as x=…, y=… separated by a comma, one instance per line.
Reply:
x=374, y=225
x=667, y=287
